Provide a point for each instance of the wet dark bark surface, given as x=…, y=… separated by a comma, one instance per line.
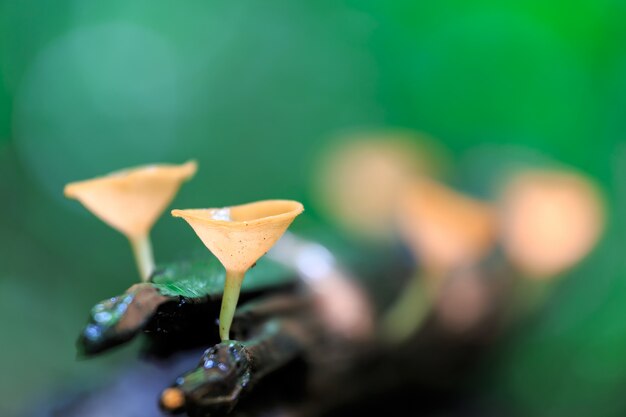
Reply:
x=432, y=374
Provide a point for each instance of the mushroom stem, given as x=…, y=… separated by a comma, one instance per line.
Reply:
x=232, y=287
x=142, y=249
x=409, y=311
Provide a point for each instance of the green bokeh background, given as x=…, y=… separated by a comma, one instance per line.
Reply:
x=255, y=90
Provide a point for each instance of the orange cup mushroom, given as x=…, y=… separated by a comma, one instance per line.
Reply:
x=131, y=201
x=238, y=236
x=550, y=221
x=443, y=228
x=361, y=178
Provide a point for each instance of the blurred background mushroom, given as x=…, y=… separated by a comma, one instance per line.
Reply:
x=550, y=221
x=362, y=176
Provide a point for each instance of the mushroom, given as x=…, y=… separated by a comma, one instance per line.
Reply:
x=445, y=229
x=238, y=236
x=361, y=178
x=551, y=219
x=131, y=201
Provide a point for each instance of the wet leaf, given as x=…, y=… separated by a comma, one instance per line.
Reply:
x=205, y=277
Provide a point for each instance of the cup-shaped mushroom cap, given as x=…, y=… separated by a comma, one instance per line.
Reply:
x=132, y=200
x=550, y=221
x=443, y=228
x=361, y=177
x=239, y=235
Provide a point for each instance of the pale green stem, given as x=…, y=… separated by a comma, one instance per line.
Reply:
x=142, y=249
x=232, y=287
x=408, y=312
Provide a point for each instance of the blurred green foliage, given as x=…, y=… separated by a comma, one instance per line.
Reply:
x=253, y=91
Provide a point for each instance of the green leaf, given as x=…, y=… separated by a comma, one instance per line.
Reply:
x=205, y=277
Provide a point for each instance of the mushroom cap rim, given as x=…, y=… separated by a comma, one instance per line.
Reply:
x=298, y=208
x=71, y=189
